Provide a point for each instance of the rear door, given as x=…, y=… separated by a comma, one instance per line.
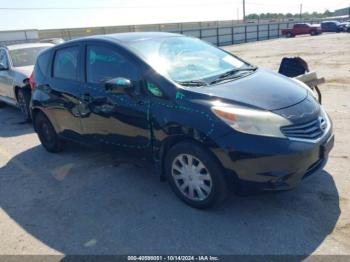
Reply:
x=63, y=90
x=116, y=120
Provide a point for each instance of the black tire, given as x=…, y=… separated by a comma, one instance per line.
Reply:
x=289, y=35
x=313, y=33
x=47, y=134
x=2, y=104
x=218, y=183
x=23, y=100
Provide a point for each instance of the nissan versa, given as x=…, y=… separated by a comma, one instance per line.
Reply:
x=208, y=120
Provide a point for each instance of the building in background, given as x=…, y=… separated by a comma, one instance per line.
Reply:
x=342, y=12
x=19, y=36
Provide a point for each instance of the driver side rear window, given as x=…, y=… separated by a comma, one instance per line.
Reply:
x=66, y=63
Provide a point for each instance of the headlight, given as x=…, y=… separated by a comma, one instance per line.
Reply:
x=251, y=121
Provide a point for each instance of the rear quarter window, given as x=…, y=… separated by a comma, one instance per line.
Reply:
x=43, y=63
x=66, y=62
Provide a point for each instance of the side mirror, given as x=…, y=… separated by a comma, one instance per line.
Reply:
x=3, y=67
x=119, y=85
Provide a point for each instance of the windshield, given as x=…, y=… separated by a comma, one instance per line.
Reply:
x=184, y=59
x=26, y=56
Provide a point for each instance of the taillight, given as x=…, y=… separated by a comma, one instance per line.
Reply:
x=31, y=82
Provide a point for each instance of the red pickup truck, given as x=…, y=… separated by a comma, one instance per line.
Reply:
x=302, y=29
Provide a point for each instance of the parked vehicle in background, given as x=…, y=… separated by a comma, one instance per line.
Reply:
x=331, y=26
x=16, y=65
x=302, y=29
x=54, y=41
x=208, y=120
x=345, y=27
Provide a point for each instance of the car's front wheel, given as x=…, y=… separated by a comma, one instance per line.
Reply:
x=195, y=175
x=47, y=134
x=23, y=99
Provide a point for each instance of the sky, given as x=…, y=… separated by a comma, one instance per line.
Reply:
x=44, y=14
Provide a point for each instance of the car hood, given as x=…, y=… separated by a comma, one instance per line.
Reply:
x=25, y=70
x=263, y=89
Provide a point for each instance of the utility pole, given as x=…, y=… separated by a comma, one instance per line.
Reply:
x=301, y=11
x=243, y=10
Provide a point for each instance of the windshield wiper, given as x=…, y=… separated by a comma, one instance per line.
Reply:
x=230, y=74
x=193, y=83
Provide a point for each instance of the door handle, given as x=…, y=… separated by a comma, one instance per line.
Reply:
x=86, y=98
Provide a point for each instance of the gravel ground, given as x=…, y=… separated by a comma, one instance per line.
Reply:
x=85, y=202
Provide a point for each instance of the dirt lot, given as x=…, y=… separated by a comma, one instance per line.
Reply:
x=83, y=202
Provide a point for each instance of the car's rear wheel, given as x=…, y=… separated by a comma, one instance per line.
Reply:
x=313, y=33
x=47, y=134
x=23, y=99
x=289, y=35
x=195, y=175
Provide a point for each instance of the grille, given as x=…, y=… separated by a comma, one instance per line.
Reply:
x=311, y=130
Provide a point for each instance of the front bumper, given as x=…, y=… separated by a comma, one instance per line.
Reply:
x=261, y=163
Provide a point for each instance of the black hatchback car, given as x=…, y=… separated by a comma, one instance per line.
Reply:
x=207, y=119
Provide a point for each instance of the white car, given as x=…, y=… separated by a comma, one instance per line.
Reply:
x=16, y=65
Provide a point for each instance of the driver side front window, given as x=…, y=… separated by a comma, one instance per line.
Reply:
x=104, y=63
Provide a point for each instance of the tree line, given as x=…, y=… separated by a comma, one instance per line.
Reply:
x=327, y=13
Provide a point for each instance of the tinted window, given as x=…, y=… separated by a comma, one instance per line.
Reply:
x=26, y=56
x=104, y=63
x=66, y=63
x=43, y=62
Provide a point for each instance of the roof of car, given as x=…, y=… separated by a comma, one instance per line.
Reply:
x=28, y=45
x=135, y=36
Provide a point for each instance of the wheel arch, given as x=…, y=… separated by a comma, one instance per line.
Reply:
x=171, y=141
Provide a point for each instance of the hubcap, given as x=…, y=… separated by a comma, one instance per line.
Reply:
x=191, y=177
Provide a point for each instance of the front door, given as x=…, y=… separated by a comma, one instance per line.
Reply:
x=6, y=83
x=304, y=29
x=117, y=120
